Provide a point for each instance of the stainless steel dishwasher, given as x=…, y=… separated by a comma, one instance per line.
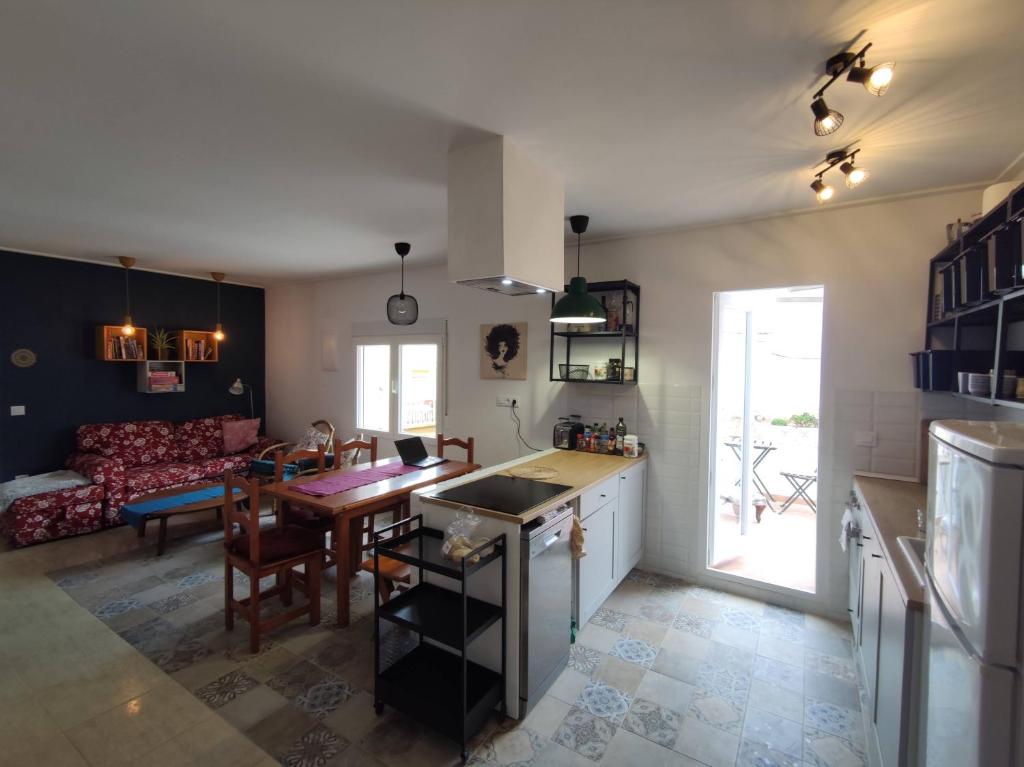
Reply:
x=546, y=604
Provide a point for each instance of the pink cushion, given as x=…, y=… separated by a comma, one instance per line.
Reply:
x=136, y=443
x=238, y=435
x=201, y=438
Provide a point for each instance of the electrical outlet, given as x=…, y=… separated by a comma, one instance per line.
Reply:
x=17, y=410
x=865, y=438
x=503, y=402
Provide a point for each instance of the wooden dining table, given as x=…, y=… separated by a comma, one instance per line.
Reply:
x=359, y=502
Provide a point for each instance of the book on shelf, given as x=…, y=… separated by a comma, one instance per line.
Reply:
x=122, y=348
x=197, y=349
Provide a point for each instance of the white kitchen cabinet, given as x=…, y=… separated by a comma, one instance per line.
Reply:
x=890, y=725
x=629, y=520
x=871, y=614
x=597, y=576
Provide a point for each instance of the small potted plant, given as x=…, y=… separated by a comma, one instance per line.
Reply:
x=162, y=343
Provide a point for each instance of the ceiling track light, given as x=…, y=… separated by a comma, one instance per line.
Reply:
x=876, y=81
x=854, y=174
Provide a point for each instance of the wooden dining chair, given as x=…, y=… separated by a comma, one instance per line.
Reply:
x=259, y=553
x=300, y=460
x=466, y=444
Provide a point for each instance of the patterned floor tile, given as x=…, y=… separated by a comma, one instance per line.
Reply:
x=610, y=619
x=822, y=749
x=783, y=615
x=693, y=624
x=780, y=674
x=604, y=701
x=741, y=619
x=653, y=722
x=225, y=689
x=830, y=689
x=585, y=734
x=784, y=703
x=76, y=580
x=314, y=748
x=828, y=644
x=116, y=607
x=584, y=659
x=658, y=613
x=732, y=657
x=173, y=602
x=773, y=731
x=635, y=651
x=193, y=580
x=723, y=713
x=840, y=668
x=789, y=632
x=707, y=744
x=732, y=635
x=297, y=679
x=509, y=748
x=836, y=720
x=727, y=681
x=759, y=755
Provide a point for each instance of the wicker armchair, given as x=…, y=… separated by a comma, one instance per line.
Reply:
x=323, y=425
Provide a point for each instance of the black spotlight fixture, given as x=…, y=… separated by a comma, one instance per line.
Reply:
x=402, y=309
x=826, y=120
x=846, y=160
x=876, y=81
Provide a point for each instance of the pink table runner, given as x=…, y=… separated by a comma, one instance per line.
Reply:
x=350, y=480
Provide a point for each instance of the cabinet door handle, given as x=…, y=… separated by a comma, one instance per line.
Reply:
x=603, y=495
x=583, y=529
x=877, y=556
x=860, y=545
x=866, y=537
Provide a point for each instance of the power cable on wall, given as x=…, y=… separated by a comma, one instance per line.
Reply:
x=519, y=430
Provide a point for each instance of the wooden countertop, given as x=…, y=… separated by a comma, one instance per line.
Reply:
x=572, y=467
x=892, y=506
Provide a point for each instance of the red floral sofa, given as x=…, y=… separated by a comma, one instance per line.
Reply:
x=123, y=461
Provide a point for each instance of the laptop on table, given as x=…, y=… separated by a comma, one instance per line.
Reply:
x=413, y=452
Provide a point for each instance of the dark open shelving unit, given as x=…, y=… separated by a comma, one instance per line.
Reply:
x=434, y=682
x=975, y=319
x=628, y=335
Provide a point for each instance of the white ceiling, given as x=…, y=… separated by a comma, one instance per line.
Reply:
x=281, y=140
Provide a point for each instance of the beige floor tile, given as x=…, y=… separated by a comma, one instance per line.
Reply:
x=568, y=686
x=214, y=743
x=132, y=729
x=354, y=718
x=744, y=639
x=684, y=643
x=648, y=631
x=707, y=744
x=270, y=663
x=204, y=671
x=628, y=597
x=598, y=637
x=546, y=716
x=620, y=674
x=677, y=665
x=780, y=649
x=55, y=751
x=250, y=708
x=776, y=700
x=701, y=607
x=665, y=691
x=629, y=750
x=554, y=755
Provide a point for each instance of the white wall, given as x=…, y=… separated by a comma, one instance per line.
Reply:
x=872, y=260
x=299, y=390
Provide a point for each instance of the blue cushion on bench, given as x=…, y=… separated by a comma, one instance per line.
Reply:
x=135, y=513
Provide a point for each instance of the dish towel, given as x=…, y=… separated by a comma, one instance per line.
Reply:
x=846, y=525
x=576, y=539
x=349, y=480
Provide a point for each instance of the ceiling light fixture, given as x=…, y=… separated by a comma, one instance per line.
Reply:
x=128, y=328
x=822, y=191
x=218, y=332
x=402, y=309
x=875, y=79
x=855, y=175
x=826, y=120
x=577, y=307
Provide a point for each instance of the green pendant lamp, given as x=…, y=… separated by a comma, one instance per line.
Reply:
x=577, y=307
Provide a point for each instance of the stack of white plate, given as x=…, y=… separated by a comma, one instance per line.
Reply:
x=979, y=384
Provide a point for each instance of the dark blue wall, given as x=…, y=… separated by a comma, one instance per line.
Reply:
x=52, y=306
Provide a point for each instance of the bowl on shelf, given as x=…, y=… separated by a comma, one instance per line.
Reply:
x=573, y=372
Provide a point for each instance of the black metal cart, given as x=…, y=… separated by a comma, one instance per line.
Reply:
x=434, y=682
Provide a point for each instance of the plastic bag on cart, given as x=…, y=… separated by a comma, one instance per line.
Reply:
x=459, y=538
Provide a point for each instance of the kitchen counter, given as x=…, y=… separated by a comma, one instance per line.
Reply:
x=892, y=506
x=580, y=470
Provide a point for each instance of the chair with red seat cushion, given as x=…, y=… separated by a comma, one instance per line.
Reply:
x=257, y=553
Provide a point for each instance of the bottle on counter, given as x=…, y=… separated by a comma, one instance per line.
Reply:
x=620, y=436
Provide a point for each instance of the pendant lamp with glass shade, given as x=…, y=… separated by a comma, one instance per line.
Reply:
x=128, y=328
x=402, y=309
x=577, y=307
x=218, y=332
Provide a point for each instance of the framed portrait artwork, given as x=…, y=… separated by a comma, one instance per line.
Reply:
x=503, y=351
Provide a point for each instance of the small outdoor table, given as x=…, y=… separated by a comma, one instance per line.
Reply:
x=763, y=451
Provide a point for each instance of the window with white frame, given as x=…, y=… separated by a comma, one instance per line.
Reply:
x=399, y=385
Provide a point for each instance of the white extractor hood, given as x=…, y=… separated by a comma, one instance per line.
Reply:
x=506, y=220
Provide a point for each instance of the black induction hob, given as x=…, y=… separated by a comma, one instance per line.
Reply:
x=498, y=492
